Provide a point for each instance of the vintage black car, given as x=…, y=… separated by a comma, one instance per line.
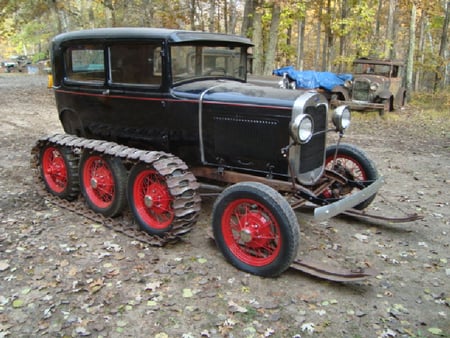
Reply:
x=149, y=113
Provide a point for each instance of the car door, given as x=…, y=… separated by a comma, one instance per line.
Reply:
x=134, y=103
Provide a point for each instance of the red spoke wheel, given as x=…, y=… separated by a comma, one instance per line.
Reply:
x=352, y=163
x=103, y=183
x=150, y=199
x=256, y=229
x=59, y=171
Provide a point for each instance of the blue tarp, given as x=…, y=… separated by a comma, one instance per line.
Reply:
x=311, y=79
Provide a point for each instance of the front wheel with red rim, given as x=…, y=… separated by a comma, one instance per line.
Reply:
x=150, y=200
x=103, y=183
x=256, y=229
x=352, y=163
x=59, y=171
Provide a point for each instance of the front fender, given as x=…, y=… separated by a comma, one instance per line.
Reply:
x=341, y=92
x=385, y=94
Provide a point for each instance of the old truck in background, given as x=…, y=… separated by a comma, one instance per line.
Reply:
x=376, y=85
x=373, y=84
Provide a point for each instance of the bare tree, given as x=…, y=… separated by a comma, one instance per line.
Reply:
x=388, y=47
x=273, y=39
x=258, y=54
x=212, y=15
x=192, y=14
x=420, y=48
x=301, y=42
x=343, y=37
x=247, y=19
x=411, y=49
x=442, y=67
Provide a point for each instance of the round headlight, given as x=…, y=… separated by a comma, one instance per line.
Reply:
x=302, y=128
x=373, y=86
x=341, y=118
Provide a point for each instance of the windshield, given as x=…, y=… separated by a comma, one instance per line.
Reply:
x=368, y=68
x=193, y=62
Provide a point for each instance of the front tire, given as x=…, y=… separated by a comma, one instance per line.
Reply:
x=352, y=163
x=255, y=229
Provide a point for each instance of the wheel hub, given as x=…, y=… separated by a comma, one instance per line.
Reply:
x=255, y=230
x=246, y=235
x=94, y=183
x=148, y=201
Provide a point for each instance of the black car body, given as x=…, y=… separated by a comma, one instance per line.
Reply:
x=186, y=93
x=212, y=118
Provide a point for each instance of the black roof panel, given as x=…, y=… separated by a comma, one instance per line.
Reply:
x=169, y=35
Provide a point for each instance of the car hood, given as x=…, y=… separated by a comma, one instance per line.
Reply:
x=371, y=78
x=236, y=92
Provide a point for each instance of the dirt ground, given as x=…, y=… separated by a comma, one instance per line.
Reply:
x=62, y=275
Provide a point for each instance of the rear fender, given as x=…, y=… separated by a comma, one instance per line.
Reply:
x=71, y=123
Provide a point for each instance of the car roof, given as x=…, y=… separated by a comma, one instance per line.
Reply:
x=132, y=33
x=380, y=62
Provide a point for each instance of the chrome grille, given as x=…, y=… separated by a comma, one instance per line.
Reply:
x=308, y=159
x=361, y=89
x=312, y=153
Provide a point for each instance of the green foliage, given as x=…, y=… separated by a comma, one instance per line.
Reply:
x=438, y=101
x=39, y=56
x=359, y=26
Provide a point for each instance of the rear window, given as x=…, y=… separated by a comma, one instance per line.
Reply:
x=85, y=64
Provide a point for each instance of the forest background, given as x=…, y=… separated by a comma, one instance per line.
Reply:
x=322, y=35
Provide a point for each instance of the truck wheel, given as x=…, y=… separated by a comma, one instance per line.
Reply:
x=59, y=171
x=354, y=164
x=103, y=183
x=255, y=229
x=150, y=199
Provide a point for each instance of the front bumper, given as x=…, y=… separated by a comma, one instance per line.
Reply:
x=358, y=105
x=336, y=208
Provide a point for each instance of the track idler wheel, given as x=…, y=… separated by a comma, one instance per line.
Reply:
x=59, y=170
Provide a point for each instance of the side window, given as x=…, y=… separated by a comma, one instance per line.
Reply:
x=136, y=64
x=85, y=64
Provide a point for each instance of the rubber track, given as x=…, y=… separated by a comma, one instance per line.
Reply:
x=182, y=185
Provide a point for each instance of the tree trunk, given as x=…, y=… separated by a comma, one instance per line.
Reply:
x=411, y=49
x=301, y=43
x=420, y=49
x=328, y=41
x=54, y=10
x=212, y=14
x=258, y=54
x=442, y=67
x=247, y=19
x=192, y=14
x=377, y=25
x=388, y=47
x=232, y=17
x=343, y=37
x=319, y=31
x=273, y=40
